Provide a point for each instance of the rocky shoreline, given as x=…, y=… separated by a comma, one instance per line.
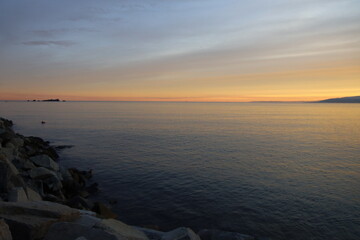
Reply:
x=40, y=199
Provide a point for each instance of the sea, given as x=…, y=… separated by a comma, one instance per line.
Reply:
x=277, y=170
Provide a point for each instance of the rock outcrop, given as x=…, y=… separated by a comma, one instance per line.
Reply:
x=5, y=233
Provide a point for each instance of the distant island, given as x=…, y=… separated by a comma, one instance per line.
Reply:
x=47, y=100
x=355, y=99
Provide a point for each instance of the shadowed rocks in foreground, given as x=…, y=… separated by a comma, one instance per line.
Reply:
x=41, y=200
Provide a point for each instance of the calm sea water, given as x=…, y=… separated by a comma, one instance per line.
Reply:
x=286, y=171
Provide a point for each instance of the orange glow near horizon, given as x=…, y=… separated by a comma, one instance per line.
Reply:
x=304, y=85
x=192, y=51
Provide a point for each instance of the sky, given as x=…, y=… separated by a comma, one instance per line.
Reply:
x=179, y=50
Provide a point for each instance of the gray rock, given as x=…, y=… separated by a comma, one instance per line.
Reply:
x=9, y=175
x=28, y=165
x=151, y=234
x=87, y=220
x=103, y=210
x=120, y=229
x=66, y=174
x=41, y=173
x=81, y=238
x=53, y=183
x=214, y=234
x=5, y=233
x=45, y=161
x=17, y=195
x=79, y=203
x=32, y=195
x=17, y=142
x=31, y=220
x=9, y=145
x=86, y=212
x=22, y=164
x=181, y=233
x=67, y=230
x=10, y=152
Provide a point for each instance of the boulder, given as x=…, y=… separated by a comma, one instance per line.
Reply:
x=53, y=183
x=17, y=142
x=9, y=175
x=181, y=233
x=214, y=234
x=31, y=220
x=6, y=135
x=32, y=195
x=5, y=233
x=87, y=212
x=9, y=153
x=17, y=195
x=87, y=220
x=6, y=123
x=22, y=164
x=36, y=145
x=151, y=234
x=103, y=211
x=67, y=230
x=81, y=238
x=79, y=203
x=66, y=174
x=9, y=145
x=121, y=230
x=45, y=161
x=41, y=173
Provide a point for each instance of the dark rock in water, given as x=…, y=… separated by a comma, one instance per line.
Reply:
x=5, y=233
x=67, y=230
x=61, y=147
x=78, y=176
x=31, y=220
x=38, y=145
x=83, y=193
x=214, y=234
x=103, y=210
x=112, y=201
x=6, y=123
x=80, y=203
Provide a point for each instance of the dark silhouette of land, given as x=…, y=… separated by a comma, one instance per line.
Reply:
x=355, y=99
x=47, y=100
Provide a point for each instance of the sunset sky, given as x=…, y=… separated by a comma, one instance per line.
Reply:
x=179, y=50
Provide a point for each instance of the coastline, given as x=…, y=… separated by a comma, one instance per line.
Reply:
x=40, y=199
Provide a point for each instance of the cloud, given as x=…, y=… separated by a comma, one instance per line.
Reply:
x=55, y=32
x=49, y=43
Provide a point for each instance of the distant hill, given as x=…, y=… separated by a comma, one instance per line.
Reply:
x=355, y=99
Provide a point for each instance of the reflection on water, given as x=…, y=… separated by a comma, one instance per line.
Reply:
x=287, y=171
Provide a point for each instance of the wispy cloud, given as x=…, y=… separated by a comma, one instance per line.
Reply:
x=56, y=32
x=49, y=43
